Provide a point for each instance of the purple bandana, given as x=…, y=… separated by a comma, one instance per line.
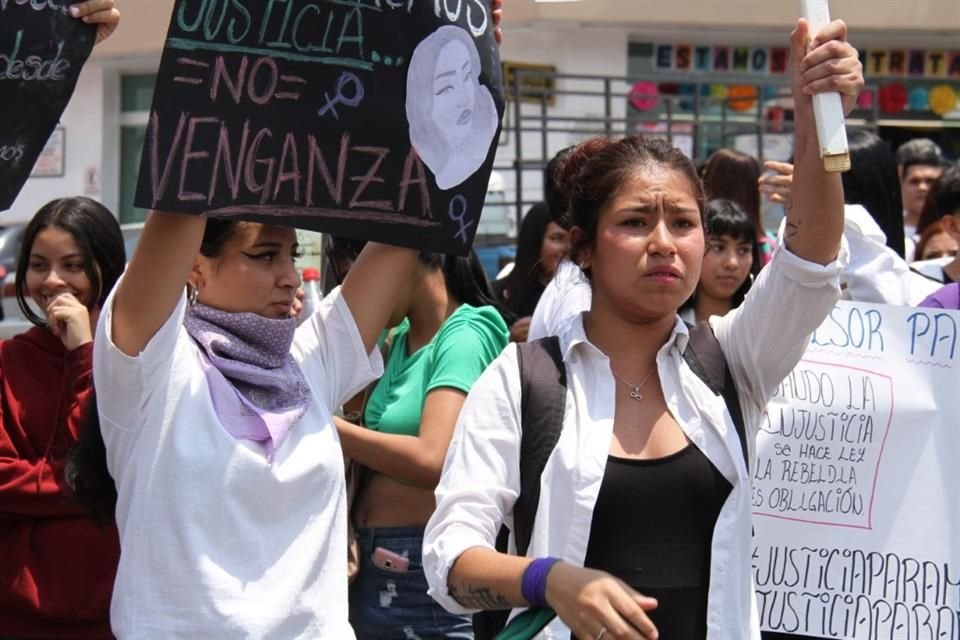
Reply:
x=258, y=391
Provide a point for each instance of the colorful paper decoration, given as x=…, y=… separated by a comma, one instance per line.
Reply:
x=943, y=99
x=686, y=90
x=742, y=97
x=770, y=92
x=775, y=118
x=719, y=91
x=644, y=95
x=918, y=99
x=893, y=97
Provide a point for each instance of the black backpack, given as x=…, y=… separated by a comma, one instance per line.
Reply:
x=543, y=387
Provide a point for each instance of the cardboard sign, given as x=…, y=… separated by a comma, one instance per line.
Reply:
x=42, y=50
x=855, y=485
x=373, y=119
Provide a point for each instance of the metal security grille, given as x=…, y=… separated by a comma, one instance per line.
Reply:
x=546, y=112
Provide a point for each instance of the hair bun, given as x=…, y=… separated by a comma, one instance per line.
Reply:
x=567, y=179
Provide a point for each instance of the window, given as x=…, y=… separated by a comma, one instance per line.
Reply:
x=136, y=97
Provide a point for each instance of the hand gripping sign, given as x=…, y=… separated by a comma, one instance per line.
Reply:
x=42, y=49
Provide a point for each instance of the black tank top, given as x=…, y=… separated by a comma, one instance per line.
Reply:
x=652, y=528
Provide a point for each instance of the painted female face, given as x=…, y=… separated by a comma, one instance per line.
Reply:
x=726, y=266
x=56, y=266
x=648, y=250
x=255, y=272
x=454, y=91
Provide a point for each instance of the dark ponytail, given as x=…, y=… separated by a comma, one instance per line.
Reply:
x=86, y=471
x=465, y=279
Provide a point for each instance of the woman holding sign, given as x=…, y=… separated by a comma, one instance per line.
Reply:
x=642, y=526
x=218, y=429
x=56, y=566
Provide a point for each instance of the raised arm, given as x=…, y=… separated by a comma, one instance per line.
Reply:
x=155, y=278
x=814, y=222
x=371, y=289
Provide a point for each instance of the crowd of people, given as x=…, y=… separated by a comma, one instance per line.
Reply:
x=184, y=454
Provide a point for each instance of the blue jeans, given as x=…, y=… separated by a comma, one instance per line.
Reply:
x=389, y=605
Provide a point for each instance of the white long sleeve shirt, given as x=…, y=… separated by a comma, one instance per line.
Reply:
x=762, y=340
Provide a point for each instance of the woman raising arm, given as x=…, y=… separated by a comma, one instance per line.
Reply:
x=642, y=434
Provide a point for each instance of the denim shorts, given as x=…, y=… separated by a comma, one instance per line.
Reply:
x=390, y=605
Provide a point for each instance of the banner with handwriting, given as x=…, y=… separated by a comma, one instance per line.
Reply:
x=857, y=478
x=42, y=50
x=374, y=119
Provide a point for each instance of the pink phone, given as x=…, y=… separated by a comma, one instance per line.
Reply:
x=390, y=561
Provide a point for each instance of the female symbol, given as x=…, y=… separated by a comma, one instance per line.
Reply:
x=457, y=211
x=345, y=78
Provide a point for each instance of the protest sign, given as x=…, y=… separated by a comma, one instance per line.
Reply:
x=374, y=119
x=42, y=50
x=856, y=481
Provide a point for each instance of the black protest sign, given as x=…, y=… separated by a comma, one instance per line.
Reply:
x=42, y=49
x=373, y=119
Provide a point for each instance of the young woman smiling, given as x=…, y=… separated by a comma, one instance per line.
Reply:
x=56, y=565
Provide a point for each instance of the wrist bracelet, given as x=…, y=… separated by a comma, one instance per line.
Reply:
x=533, y=586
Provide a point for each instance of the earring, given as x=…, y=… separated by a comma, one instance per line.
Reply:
x=192, y=295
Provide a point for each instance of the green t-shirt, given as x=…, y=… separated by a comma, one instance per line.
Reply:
x=464, y=346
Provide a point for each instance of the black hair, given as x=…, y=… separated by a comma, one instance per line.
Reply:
x=337, y=250
x=464, y=277
x=727, y=218
x=343, y=247
x=524, y=283
x=554, y=197
x=216, y=234
x=918, y=151
x=86, y=471
x=873, y=183
x=597, y=169
x=943, y=199
x=98, y=236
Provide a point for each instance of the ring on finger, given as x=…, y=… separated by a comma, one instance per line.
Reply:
x=603, y=632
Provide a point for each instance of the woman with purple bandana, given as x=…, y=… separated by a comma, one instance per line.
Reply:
x=215, y=411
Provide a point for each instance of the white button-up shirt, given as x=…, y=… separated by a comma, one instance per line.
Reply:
x=762, y=341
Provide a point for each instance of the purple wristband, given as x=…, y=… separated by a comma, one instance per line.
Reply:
x=533, y=587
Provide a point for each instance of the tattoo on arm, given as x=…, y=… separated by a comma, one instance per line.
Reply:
x=792, y=229
x=477, y=597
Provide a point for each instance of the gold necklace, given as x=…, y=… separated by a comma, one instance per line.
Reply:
x=635, y=388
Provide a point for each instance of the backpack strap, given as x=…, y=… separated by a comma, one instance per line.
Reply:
x=543, y=385
x=543, y=389
x=705, y=358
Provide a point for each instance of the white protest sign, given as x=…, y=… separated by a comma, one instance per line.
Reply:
x=857, y=478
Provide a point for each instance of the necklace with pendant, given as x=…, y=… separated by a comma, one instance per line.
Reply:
x=635, y=388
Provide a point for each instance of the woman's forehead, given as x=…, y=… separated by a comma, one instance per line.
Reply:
x=654, y=182
x=257, y=232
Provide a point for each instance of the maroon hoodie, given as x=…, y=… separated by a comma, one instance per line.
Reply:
x=56, y=566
